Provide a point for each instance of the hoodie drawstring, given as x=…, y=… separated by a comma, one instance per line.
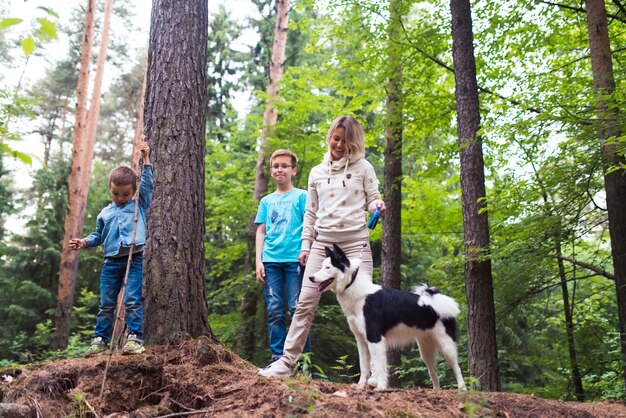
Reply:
x=345, y=170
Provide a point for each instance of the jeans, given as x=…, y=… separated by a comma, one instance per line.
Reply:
x=111, y=280
x=282, y=285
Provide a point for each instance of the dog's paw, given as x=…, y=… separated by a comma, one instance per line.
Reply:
x=361, y=384
x=372, y=381
x=381, y=389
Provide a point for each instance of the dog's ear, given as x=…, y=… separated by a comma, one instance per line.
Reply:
x=328, y=251
x=341, y=256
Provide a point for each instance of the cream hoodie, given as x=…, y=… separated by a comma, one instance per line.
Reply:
x=338, y=195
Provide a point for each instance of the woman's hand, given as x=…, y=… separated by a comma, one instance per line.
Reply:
x=380, y=204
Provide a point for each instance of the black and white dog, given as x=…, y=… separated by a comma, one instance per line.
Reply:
x=381, y=317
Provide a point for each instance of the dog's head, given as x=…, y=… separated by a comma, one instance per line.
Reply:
x=334, y=272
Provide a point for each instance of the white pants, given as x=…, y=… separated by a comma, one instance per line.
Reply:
x=310, y=297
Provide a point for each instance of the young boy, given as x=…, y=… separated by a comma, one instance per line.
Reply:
x=114, y=230
x=278, y=235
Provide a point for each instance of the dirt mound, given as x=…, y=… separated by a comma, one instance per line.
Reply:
x=200, y=378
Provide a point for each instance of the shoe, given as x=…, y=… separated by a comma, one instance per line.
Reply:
x=133, y=345
x=97, y=347
x=274, y=358
x=276, y=369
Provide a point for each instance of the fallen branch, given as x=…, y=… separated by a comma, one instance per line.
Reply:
x=182, y=414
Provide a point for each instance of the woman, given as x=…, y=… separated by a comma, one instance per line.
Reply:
x=340, y=190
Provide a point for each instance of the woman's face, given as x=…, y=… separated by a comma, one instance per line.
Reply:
x=337, y=144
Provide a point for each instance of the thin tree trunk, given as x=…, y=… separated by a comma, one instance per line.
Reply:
x=392, y=228
x=175, y=123
x=270, y=115
x=481, y=321
x=137, y=140
x=613, y=163
x=569, y=327
x=249, y=302
x=76, y=193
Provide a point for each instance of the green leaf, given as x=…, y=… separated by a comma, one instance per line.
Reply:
x=47, y=28
x=16, y=154
x=48, y=10
x=10, y=21
x=28, y=45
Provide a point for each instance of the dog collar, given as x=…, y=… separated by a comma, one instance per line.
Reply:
x=353, y=278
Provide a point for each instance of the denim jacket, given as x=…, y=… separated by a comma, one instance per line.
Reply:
x=114, y=225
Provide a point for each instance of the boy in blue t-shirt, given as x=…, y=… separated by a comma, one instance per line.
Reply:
x=278, y=234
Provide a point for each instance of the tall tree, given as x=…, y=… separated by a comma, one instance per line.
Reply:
x=245, y=339
x=613, y=162
x=481, y=321
x=77, y=194
x=392, y=232
x=175, y=124
x=270, y=114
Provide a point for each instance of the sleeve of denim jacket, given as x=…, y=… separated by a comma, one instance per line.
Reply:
x=147, y=186
x=95, y=238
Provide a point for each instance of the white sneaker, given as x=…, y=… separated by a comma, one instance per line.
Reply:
x=276, y=369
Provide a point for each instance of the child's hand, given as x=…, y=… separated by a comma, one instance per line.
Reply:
x=260, y=272
x=77, y=243
x=145, y=151
x=303, y=257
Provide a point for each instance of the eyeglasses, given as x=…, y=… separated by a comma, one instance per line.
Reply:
x=283, y=166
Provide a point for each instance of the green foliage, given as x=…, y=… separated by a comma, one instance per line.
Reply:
x=42, y=31
x=543, y=172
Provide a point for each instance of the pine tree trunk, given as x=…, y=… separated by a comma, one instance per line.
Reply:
x=245, y=336
x=77, y=195
x=138, y=138
x=392, y=227
x=175, y=122
x=613, y=163
x=481, y=321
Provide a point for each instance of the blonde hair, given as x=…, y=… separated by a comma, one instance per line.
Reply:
x=286, y=153
x=355, y=135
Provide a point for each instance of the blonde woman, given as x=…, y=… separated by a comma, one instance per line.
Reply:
x=340, y=191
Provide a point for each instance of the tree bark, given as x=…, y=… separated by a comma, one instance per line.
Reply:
x=481, y=324
x=137, y=140
x=392, y=228
x=77, y=195
x=174, y=122
x=613, y=163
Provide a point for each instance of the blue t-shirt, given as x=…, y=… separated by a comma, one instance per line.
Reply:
x=282, y=215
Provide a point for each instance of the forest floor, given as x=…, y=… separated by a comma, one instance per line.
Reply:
x=199, y=378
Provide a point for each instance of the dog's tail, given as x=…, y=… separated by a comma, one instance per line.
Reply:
x=445, y=306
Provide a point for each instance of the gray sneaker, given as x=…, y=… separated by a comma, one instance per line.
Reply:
x=133, y=345
x=97, y=347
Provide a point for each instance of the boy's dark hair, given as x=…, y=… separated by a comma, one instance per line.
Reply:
x=286, y=153
x=122, y=175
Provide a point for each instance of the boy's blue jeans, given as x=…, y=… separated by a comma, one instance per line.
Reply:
x=282, y=285
x=111, y=280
